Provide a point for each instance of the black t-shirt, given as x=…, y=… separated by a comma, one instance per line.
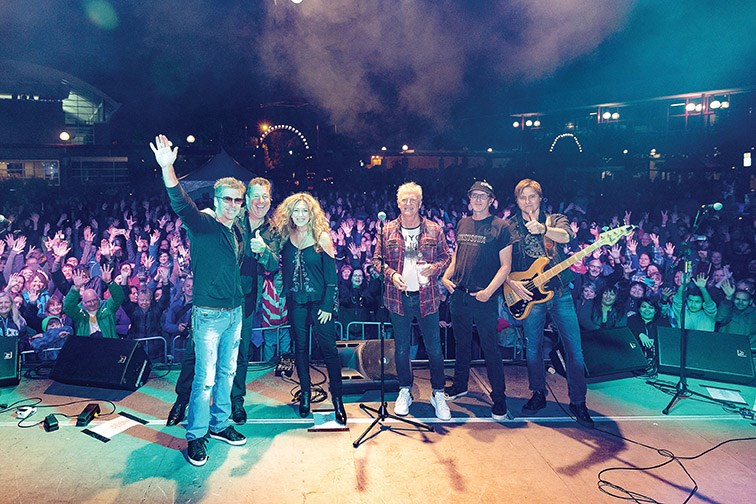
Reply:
x=478, y=245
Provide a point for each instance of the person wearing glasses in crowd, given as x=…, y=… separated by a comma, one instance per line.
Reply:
x=217, y=251
x=473, y=278
x=415, y=254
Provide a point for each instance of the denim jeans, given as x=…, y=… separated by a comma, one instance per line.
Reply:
x=466, y=310
x=301, y=317
x=216, y=343
x=275, y=343
x=431, y=333
x=561, y=308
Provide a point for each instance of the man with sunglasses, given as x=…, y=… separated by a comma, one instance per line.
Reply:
x=473, y=278
x=217, y=251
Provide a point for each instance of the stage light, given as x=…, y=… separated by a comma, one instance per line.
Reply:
x=725, y=104
x=625, y=151
x=606, y=115
x=537, y=123
x=615, y=116
x=690, y=107
x=715, y=104
x=65, y=136
x=190, y=139
x=384, y=148
x=489, y=149
x=264, y=127
x=405, y=147
x=516, y=124
x=699, y=107
x=296, y=2
x=528, y=123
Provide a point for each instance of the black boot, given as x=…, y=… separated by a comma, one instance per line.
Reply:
x=338, y=406
x=177, y=413
x=304, y=403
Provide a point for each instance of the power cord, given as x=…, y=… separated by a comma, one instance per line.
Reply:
x=36, y=402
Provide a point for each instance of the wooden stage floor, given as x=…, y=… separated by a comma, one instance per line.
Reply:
x=548, y=458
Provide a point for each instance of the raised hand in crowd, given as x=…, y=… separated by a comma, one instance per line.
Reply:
x=655, y=239
x=664, y=218
x=60, y=249
x=628, y=214
x=574, y=226
x=79, y=278
x=155, y=237
x=130, y=222
x=88, y=234
x=163, y=220
x=615, y=254
x=700, y=281
x=15, y=282
x=164, y=155
x=107, y=273
x=632, y=246
x=77, y=224
x=31, y=251
x=46, y=229
x=353, y=249
x=18, y=244
x=148, y=261
x=728, y=287
x=2, y=247
x=669, y=249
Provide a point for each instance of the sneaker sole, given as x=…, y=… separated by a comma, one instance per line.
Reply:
x=452, y=397
x=197, y=463
x=401, y=414
x=228, y=441
x=500, y=418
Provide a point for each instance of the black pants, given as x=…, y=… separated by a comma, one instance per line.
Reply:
x=186, y=376
x=466, y=311
x=301, y=317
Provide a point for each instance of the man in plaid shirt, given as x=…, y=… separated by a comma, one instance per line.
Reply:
x=415, y=253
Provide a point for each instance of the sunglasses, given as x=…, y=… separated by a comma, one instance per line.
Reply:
x=229, y=200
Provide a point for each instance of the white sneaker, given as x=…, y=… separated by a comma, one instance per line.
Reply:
x=403, y=402
x=438, y=401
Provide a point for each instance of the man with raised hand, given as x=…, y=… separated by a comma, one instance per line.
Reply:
x=217, y=251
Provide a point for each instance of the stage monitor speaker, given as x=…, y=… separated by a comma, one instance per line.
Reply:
x=612, y=351
x=10, y=362
x=709, y=356
x=361, y=365
x=102, y=362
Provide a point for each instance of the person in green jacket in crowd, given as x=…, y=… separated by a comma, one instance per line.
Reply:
x=90, y=315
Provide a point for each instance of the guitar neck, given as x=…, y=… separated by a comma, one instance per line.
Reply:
x=550, y=273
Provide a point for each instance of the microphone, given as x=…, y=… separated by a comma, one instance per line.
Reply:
x=3, y=219
x=382, y=215
x=712, y=206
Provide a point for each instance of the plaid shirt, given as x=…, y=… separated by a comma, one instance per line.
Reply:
x=432, y=244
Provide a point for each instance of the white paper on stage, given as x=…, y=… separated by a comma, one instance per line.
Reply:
x=724, y=394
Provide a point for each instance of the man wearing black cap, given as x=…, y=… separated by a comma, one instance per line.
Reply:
x=476, y=272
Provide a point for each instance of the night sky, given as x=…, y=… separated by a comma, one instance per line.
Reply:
x=434, y=73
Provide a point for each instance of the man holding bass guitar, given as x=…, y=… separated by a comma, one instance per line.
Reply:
x=535, y=235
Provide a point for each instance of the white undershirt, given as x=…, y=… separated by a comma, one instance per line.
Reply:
x=409, y=271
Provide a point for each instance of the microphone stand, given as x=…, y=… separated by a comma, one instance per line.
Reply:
x=381, y=414
x=681, y=389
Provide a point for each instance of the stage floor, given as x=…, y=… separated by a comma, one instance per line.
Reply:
x=548, y=458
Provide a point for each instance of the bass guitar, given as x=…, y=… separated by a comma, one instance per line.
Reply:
x=536, y=278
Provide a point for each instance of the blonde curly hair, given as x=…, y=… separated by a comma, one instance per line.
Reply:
x=284, y=225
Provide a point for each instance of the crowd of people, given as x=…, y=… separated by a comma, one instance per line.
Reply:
x=137, y=268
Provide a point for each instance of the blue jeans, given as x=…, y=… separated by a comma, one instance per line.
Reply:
x=216, y=336
x=562, y=311
x=429, y=328
x=466, y=311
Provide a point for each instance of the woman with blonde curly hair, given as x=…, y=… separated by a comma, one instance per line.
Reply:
x=309, y=274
